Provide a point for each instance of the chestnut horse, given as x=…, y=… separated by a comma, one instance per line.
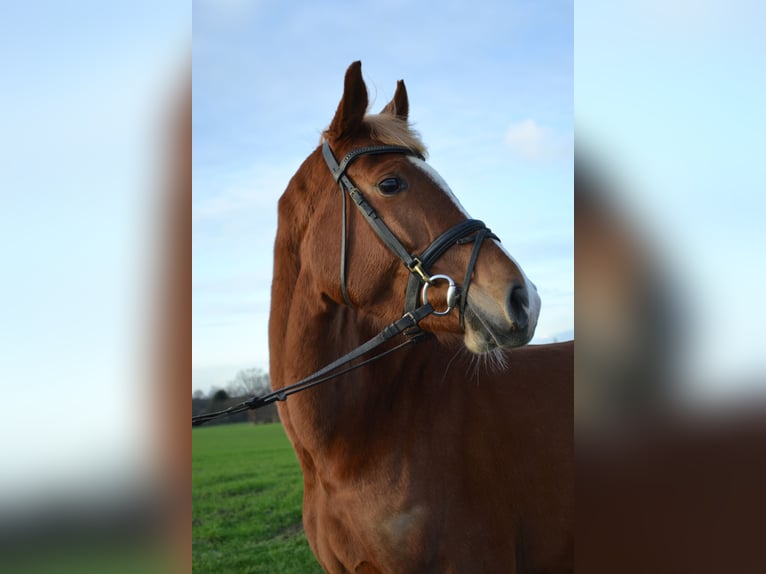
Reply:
x=430, y=459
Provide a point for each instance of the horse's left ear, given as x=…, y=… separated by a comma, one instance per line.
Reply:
x=399, y=106
x=352, y=106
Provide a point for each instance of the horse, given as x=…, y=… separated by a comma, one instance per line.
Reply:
x=451, y=455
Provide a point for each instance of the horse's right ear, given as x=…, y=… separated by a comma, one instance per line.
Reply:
x=352, y=106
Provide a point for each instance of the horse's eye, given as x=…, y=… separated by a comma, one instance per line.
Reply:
x=391, y=186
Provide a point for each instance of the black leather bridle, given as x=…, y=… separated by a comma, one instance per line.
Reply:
x=420, y=279
x=469, y=230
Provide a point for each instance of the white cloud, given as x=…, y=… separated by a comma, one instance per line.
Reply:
x=534, y=142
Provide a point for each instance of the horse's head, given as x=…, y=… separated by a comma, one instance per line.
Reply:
x=417, y=206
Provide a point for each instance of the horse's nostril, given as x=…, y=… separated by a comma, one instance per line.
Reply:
x=518, y=306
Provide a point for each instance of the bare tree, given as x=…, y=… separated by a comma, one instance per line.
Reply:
x=249, y=382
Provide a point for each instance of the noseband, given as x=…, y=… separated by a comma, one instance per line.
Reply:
x=467, y=231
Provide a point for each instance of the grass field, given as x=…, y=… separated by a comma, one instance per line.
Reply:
x=246, y=502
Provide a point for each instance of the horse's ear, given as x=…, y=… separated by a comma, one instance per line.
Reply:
x=352, y=106
x=399, y=106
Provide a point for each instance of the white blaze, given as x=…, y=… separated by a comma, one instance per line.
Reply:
x=437, y=179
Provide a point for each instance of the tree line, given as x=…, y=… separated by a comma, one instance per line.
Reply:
x=246, y=383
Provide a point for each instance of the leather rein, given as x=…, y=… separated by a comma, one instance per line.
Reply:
x=467, y=231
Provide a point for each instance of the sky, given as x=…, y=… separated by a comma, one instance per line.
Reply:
x=491, y=92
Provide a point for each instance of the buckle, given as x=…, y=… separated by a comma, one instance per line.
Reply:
x=417, y=267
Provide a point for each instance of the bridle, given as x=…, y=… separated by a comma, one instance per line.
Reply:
x=420, y=279
x=469, y=230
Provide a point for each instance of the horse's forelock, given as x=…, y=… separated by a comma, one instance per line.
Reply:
x=391, y=130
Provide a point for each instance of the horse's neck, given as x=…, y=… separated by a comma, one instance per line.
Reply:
x=308, y=331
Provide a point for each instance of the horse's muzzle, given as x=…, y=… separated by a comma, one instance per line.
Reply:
x=490, y=324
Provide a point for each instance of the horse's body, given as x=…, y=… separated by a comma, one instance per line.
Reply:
x=429, y=460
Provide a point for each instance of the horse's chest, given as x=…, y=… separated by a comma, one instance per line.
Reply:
x=361, y=527
x=400, y=527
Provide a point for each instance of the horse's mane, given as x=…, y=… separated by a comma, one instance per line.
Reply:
x=391, y=130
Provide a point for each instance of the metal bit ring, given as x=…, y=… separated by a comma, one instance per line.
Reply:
x=451, y=293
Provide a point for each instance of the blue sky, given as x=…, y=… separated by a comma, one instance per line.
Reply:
x=490, y=91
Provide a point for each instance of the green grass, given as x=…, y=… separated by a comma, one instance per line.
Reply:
x=247, y=491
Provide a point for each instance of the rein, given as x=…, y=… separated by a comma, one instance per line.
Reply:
x=407, y=324
x=467, y=231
